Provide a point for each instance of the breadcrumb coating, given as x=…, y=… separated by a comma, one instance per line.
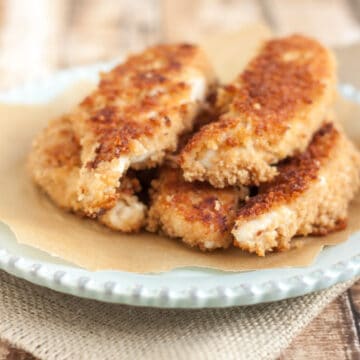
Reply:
x=268, y=113
x=54, y=164
x=266, y=129
x=196, y=213
x=136, y=115
x=310, y=195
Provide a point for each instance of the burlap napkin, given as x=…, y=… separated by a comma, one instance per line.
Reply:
x=55, y=326
x=51, y=325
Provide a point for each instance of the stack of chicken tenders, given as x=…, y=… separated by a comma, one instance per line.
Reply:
x=251, y=163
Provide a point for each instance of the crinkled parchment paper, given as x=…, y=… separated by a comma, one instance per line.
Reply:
x=37, y=222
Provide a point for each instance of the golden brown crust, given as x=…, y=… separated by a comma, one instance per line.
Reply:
x=115, y=126
x=286, y=89
x=195, y=212
x=65, y=148
x=310, y=195
x=54, y=164
x=286, y=76
x=137, y=114
x=295, y=174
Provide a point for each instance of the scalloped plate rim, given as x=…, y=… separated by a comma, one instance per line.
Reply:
x=158, y=290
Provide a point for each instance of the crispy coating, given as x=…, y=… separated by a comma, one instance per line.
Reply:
x=54, y=163
x=268, y=113
x=310, y=195
x=195, y=212
x=136, y=115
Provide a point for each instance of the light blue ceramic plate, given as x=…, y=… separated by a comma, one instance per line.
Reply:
x=185, y=288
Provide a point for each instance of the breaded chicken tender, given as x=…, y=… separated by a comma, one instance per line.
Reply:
x=136, y=116
x=268, y=113
x=310, y=195
x=54, y=164
x=195, y=212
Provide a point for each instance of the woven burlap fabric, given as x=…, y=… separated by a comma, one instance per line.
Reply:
x=51, y=325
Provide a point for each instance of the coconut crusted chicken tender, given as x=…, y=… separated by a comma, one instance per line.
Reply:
x=195, y=212
x=136, y=116
x=54, y=164
x=310, y=195
x=268, y=113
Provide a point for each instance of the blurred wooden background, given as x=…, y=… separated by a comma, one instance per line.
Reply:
x=37, y=37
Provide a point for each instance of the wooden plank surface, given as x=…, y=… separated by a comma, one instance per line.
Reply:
x=331, y=21
x=38, y=37
x=334, y=334
x=191, y=20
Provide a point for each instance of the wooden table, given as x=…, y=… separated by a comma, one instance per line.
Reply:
x=37, y=37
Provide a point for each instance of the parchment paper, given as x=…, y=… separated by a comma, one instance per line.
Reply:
x=38, y=223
